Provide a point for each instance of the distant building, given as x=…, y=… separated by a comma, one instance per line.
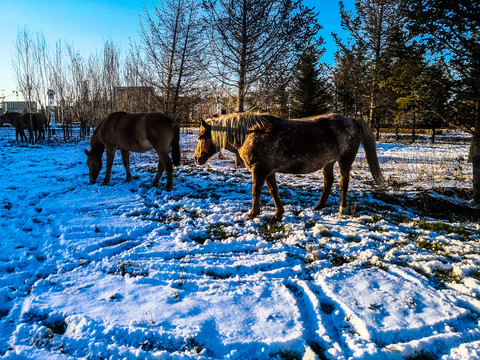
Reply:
x=134, y=92
x=17, y=106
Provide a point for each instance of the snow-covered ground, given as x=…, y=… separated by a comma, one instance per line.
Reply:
x=127, y=271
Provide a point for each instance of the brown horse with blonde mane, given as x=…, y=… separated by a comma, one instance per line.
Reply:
x=138, y=133
x=269, y=144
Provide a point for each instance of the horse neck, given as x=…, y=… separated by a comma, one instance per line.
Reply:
x=9, y=118
x=233, y=130
x=96, y=146
x=225, y=135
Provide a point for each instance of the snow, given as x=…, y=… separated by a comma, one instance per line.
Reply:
x=127, y=271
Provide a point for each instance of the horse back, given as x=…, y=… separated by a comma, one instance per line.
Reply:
x=318, y=133
x=302, y=145
x=138, y=132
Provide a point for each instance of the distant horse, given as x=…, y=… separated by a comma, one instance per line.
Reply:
x=40, y=125
x=20, y=122
x=137, y=133
x=268, y=144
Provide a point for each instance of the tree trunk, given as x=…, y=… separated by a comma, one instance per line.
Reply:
x=243, y=59
x=378, y=45
x=414, y=124
x=32, y=139
x=475, y=156
x=169, y=90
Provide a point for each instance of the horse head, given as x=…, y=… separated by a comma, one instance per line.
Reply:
x=94, y=163
x=205, y=147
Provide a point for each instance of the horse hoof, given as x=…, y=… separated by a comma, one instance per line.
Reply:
x=251, y=216
x=343, y=211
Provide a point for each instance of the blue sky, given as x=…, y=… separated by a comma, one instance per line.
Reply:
x=87, y=24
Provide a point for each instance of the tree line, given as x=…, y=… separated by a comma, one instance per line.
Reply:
x=405, y=65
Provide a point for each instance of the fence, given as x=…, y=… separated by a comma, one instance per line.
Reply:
x=8, y=133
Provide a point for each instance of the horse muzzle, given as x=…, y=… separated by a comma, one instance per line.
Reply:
x=200, y=160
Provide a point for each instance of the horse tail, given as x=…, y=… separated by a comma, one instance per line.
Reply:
x=176, y=144
x=370, y=147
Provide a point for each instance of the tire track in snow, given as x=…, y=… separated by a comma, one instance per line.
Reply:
x=320, y=332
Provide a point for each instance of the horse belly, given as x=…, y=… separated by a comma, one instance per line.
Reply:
x=307, y=159
x=302, y=166
x=146, y=145
x=139, y=146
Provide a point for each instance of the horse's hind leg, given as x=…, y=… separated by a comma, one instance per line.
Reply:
x=258, y=181
x=126, y=163
x=159, y=173
x=164, y=162
x=273, y=189
x=345, y=165
x=327, y=185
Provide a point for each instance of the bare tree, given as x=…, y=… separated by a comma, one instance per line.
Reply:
x=62, y=85
x=255, y=40
x=43, y=67
x=94, y=85
x=79, y=88
x=110, y=75
x=166, y=59
x=26, y=70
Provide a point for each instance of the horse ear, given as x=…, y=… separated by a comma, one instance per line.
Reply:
x=205, y=124
x=86, y=152
x=215, y=116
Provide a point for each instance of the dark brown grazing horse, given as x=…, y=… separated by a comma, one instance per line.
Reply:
x=20, y=122
x=138, y=133
x=268, y=144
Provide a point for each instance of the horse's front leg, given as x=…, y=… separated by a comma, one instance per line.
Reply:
x=126, y=163
x=327, y=186
x=258, y=181
x=23, y=137
x=110, y=157
x=273, y=189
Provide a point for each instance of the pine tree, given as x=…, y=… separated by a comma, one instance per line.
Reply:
x=451, y=27
x=309, y=94
x=370, y=28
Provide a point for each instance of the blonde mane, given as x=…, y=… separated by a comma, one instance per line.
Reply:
x=234, y=128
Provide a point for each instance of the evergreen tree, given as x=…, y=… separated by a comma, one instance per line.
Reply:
x=370, y=28
x=309, y=94
x=452, y=28
x=350, y=81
